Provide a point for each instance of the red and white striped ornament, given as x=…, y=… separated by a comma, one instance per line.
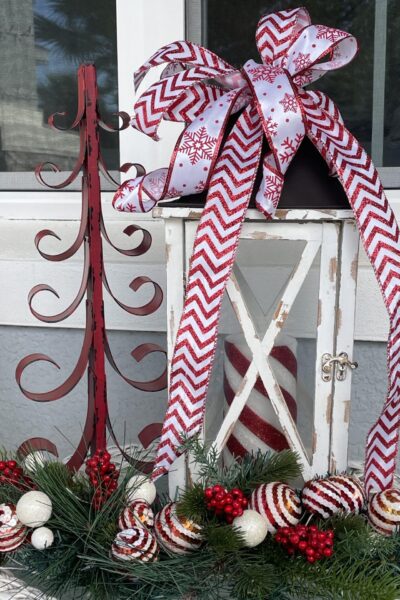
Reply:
x=136, y=543
x=278, y=504
x=337, y=493
x=351, y=492
x=176, y=534
x=138, y=512
x=322, y=497
x=258, y=426
x=12, y=531
x=384, y=511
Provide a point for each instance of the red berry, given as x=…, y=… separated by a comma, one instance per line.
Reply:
x=294, y=539
x=219, y=496
x=228, y=508
x=328, y=552
x=7, y=472
x=311, y=559
x=310, y=551
x=278, y=538
x=217, y=488
x=244, y=502
x=286, y=530
x=236, y=505
x=12, y=464
x=106, y=455
x=208, y=493
x=329, y=543
x=235, y=513
x=302, y=545
x=229, y=498
x=236, y=492
x=229, y=519
x=321, y=536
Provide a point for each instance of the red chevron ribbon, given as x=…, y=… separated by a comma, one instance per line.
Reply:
x=203, y=91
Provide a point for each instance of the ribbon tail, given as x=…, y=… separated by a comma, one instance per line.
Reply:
x=210, y=267
x=380, y=236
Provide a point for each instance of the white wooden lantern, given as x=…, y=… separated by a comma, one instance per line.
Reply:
x=333, y=237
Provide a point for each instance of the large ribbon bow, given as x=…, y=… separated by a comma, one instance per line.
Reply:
x=202, y=90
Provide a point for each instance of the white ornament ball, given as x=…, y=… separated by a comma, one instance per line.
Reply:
x=42, y=538
x=141, y=488
x=252, y=526
x=384, y=511
x=278, y=504
x=34, y=509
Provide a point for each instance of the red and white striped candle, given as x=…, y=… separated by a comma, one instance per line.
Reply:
x=258, y=426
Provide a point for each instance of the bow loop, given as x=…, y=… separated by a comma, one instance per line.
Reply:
x=276, y=32
x=314, y=44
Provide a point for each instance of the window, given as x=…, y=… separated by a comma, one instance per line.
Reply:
x=42, y=43
x=367, y=91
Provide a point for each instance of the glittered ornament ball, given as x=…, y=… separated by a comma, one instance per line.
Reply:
x=278, y=504
x=141, y=488
x=252, y=526
x=12, y=531
x=42, y=538
x=332, y=495
x=34, y=509
x=136, y=543
x=321, y=497
x=351, y=492
x=138, y=512
x=176, y=534
x=384, y=511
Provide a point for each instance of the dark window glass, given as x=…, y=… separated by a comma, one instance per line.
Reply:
x=229, y=29
x=391, y=147
x=42, y=42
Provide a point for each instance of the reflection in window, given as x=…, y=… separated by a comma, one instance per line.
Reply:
x=42, y=42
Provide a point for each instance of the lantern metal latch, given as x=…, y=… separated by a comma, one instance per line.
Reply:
x=339, y=364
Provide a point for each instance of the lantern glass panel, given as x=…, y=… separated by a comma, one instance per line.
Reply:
x=274, y=293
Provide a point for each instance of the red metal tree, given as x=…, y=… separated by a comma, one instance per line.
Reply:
x=95, y=349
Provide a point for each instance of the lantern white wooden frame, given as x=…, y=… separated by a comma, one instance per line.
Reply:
x=334, y=234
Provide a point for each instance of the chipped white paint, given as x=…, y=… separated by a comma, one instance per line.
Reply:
x=345, y=323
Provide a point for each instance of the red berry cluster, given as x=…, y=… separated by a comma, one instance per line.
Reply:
x=224, y=503
x=308, y=540
x=12, y=474
x=103, y=476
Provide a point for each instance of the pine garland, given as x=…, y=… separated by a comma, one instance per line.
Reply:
x=79, y=565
